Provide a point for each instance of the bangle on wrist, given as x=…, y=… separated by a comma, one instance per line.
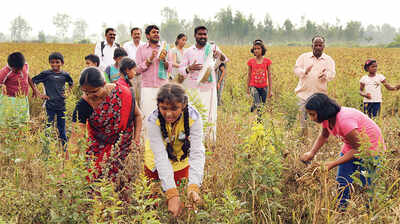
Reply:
x=171, y=193
x=194, y=188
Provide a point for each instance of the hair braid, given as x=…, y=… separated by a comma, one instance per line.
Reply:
x=164, y=134
x=127, y=80
x=186, y=143
x=126, y=64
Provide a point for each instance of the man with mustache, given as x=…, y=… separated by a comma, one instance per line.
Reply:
x=105, y=49
x=195, y=66
x=131, y=48
x=153, y=66
x=314, y=69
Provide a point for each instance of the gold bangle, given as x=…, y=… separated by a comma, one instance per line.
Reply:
x=172, y=192
x=193, y=187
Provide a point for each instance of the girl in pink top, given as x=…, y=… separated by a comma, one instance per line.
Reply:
x=347, y=124
x=259, y=75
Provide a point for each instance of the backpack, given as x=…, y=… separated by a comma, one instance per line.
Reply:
x=103, y=45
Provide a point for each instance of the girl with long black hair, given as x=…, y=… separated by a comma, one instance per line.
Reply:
x=175, y=147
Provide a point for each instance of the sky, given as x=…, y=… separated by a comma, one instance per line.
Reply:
x=39, y=13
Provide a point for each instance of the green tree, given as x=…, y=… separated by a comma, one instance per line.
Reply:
x=20, y=29
x=123, y=33
x=353, y=31
x=310, y=30
x=41, y=37
x=268, y=27
x=62, y=23
x=170, y=27
x=224, y=25
x=243, y=28
x=80, y=27
x=388, y=33
x=2, y=37
x=289, y=29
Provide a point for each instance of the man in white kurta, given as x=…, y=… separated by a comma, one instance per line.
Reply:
x=196, y=62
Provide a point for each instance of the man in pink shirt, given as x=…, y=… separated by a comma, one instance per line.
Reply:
x=314, y=69
x=198, y=64
x=153, y=69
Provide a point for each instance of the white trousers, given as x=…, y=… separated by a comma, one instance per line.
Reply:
x=209, y=101
x=148, y=100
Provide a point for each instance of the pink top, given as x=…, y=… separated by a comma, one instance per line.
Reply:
x=194, y=54
x=149, y=74
x=16, y=83
x=311, y=83
x=259, y=72
x=349, y=119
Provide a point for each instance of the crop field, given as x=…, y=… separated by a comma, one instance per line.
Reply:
x=253, y=173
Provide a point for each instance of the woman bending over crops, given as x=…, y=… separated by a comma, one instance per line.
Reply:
x=350, y=125
x=176, y=149
x=111, y=115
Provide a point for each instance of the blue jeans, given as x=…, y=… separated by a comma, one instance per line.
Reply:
x=60, y=123
x=372, y=109
x=344, y=179
x=259, y=97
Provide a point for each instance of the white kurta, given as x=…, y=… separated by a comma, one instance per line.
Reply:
x=207, y=92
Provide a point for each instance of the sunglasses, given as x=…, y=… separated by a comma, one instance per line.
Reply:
x=112, y=34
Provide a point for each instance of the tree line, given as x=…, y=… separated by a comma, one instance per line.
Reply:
x=226, y=27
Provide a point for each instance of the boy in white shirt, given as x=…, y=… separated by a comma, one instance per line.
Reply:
x=370, y=88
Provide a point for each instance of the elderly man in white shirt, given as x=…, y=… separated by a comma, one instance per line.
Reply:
x=131, y=48
x=314, y=69
x=105, y=49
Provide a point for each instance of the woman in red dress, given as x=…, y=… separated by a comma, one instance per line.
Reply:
x=113, y=120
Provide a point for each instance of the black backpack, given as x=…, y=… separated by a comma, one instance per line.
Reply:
x=103, y=45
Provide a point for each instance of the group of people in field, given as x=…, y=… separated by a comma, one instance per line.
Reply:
x=146, y=81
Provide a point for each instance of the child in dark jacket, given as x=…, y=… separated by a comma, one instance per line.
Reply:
x=54, y=83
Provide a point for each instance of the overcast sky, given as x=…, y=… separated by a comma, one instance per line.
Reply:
x=39, y=13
